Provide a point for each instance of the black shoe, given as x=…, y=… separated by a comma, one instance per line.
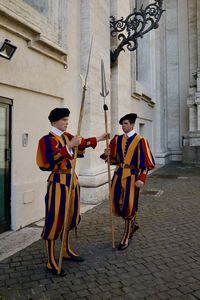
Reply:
x=74, y=258
x=134, y=229
x=55, y=272
x=122, y=246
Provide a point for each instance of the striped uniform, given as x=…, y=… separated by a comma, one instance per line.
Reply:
x=133, y=159
x=53, y=155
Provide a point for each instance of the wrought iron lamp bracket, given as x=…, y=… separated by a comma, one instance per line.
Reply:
x=134, y=26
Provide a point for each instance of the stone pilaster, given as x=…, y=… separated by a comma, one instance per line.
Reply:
x=191, y=141
x=197, y=100
x=173, y=92
x=162, y=155
x=198, y=112
x=193, y=50
x=192, y=111
x=94, y=22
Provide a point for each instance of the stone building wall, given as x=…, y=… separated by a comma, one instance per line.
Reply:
x=37, y=81
x=53, y=40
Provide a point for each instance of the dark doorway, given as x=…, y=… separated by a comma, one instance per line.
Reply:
x=5, y=163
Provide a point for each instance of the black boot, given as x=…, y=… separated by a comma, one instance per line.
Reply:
x=52, y=265
x=68, y=253
x=125, y=239
x=134, y=227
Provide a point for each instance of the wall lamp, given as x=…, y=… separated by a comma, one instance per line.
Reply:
x=7, y=49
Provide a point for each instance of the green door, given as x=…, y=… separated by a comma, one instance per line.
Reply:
x=5, y=138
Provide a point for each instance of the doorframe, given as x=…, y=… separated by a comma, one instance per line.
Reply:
x=7, y=225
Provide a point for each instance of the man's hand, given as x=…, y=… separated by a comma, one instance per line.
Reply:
x=103, y=137
x=139, y=184
x=75, y=142
x=107, y=152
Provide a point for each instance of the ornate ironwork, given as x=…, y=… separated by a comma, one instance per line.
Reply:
x=134, y=26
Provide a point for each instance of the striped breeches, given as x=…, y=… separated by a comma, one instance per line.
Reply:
x=125, y=196
x=56, y=202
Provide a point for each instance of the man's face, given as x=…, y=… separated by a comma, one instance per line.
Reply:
x=61, y=124
x=127, y=126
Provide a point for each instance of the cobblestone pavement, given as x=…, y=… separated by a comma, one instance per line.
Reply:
x=162, y=261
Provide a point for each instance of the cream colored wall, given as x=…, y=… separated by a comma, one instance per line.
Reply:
x=28, y=183
x=31, y=70
x=72, y=81
x=37, y=84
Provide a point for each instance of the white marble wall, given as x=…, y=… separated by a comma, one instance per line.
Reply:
x=193, y=51
x=127, y=93
x=120, y=73
x=94, y=23
x=162, y=153
x=173, y=104
x=184, y=65
x=192, y=136
x=172, y=113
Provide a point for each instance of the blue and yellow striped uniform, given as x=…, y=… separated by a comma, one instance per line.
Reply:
x=133, y=158
x=53, y=155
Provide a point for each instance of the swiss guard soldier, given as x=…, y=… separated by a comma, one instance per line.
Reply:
x=132, y=155
x=55, y=154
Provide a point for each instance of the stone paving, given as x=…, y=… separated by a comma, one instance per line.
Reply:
x=26, y=236
x=162, y=261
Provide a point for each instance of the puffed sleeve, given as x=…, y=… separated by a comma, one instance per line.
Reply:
x=85, y=143
x=145, y=159
x=113, y=151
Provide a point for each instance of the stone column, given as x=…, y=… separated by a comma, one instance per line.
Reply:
x=192, y=111
x=198, y=112
x=120, y=72
x=191, y=149
x=198, y=32
x=162, y=154
x=173, y=92
x=94, y=21
x=197, y=101
x=193, y=50
x=114, y=77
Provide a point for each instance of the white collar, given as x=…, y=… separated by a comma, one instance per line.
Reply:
x=56, y=131
x=130, y=133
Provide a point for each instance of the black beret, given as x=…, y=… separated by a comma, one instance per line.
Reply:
x=131, y=117
x=58, y=113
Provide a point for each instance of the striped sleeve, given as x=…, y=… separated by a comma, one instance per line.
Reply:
x=145, y=159
x=59, y=153
x=44, y=158
x=49, y=154
x=113, y=151
x=86, y=143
